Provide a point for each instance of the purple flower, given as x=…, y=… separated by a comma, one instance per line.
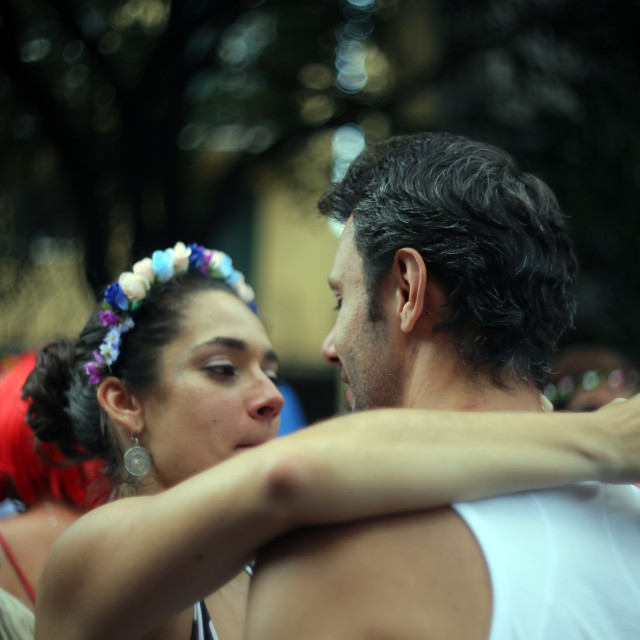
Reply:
x=94, y=371
x=109, y=318
x=207, y=256
x=114, y=295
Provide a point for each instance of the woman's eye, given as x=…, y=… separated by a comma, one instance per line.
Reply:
x=226, y=370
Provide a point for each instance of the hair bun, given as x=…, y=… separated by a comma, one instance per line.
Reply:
x=46, y=392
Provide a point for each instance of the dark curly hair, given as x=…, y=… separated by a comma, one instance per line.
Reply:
x=63, y=406
x=493, y=234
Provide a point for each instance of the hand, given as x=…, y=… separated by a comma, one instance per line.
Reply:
x=620, y=419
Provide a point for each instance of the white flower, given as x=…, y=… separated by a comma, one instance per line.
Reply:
x=244, y=291
x=220, y=265
x=134, y=285
x=143, y=268
x=110, y=352
x=181, y=255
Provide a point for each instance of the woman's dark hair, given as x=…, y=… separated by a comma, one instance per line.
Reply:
x=63, y=406
x=493, y=234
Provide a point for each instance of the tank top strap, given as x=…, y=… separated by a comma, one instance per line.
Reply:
x=14, y=563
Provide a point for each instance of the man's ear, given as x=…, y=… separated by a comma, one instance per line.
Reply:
x=120, y=404
x=411, y=280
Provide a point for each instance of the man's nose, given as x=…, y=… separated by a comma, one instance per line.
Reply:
x=329, y=350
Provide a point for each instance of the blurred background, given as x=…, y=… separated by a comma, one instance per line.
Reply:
x=126, y=125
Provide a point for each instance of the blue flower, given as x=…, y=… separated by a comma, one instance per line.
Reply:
x=233, y=277
x=113, y=337
x=225, y=267
x=127, y=324
x=162, y=264
x=110, y=348
x=115, y=296
x=195, y=257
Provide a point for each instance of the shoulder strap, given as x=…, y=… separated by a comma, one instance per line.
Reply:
x=14, y=562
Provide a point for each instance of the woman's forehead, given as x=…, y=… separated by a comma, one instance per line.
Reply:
x=222, y=313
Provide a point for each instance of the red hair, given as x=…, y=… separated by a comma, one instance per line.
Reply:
x=29, y=472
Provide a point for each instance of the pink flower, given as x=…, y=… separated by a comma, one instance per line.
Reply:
x=134, y=285
x=181, y=257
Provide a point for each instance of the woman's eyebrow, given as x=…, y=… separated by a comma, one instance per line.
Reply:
x=235, y=343
x=232, y=343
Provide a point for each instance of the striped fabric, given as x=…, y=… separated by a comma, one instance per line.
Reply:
x=203, y=628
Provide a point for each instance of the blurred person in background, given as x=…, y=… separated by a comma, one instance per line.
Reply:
x=42, y=493
x=293, y=415
x=584, y=377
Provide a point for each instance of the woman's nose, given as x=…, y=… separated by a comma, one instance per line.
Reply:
x=267, y=402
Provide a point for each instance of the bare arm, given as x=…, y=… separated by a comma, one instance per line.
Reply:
x=126, y=567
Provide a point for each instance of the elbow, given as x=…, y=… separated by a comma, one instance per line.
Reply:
x=289, y=486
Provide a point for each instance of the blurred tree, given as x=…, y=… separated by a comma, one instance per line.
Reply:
x=558, y=84
x=129, y=123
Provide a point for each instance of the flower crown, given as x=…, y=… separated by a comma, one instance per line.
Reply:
x=123, y=297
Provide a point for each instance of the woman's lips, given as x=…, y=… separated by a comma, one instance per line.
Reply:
x=251, y=443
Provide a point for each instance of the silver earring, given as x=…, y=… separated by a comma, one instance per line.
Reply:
x=137, y=460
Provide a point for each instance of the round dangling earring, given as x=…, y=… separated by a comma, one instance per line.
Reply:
x=137, y=460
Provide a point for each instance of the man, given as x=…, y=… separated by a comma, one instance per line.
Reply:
x=454, y=278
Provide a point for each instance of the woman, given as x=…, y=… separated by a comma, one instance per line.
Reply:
x=42, y=493
x=171, y=379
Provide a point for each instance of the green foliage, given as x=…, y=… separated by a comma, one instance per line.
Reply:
x=136, y=122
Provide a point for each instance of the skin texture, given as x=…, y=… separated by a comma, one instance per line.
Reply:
x=30, y=536
x=373, y=373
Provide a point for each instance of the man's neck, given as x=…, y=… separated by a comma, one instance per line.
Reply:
x=449, y=386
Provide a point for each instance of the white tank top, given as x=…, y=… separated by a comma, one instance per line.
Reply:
x=564, y=563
